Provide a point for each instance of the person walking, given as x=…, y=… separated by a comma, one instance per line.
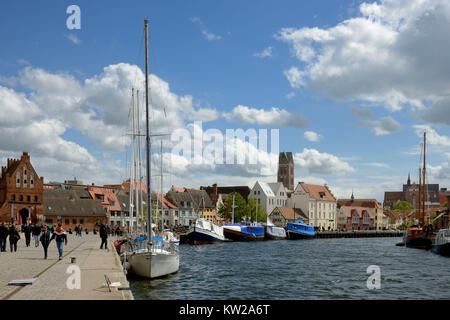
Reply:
x=45, y=238
x=61, y=238
x=27, y=231
x=80, y=229
x=13, y=238
x=103, y=236
x=3, y=236
x=36, y=231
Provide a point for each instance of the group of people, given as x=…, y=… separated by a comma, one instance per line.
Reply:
x=43, y=234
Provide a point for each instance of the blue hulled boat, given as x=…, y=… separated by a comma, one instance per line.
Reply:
x=299, y=231
x=205, y=232
x=442, y=243
x=243, y=232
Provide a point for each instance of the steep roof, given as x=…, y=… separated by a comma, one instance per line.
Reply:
x=275, y=186
x=318, y=192
x=291, y=213
x=266, y=188
x=77, y=208
x=197, y=198
x=367, y=203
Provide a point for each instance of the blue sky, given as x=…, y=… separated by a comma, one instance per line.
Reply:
x=356, y=71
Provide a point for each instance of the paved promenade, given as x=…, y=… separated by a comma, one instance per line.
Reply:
x=94, y=263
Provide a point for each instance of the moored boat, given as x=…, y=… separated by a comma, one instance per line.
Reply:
x=441, y=244
x=205, y=232
x=274, y=233
x=297, y=230
x=243, y=232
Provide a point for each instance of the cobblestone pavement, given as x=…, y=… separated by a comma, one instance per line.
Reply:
x=29, y=262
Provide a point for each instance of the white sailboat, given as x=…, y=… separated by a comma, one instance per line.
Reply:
x=149, y=256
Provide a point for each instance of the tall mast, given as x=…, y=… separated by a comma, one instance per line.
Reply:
x=232, y=211
x=132, y=163
x=424, y=175
x=147, y=138
x=162, y=204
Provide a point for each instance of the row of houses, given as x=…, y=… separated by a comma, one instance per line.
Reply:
x=24, y=197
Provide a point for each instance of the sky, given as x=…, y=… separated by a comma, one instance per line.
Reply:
x=350, y=85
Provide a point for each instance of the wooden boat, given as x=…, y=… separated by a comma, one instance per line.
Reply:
x=420, y=237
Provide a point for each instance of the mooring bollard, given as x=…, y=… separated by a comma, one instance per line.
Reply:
x=73, y=259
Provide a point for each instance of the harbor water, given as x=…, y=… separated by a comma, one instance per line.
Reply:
x=302, y=269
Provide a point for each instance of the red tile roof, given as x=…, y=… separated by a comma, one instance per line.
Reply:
x=316, y=191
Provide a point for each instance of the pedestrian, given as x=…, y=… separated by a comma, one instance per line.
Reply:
x=3, y=236
x=76, y=231
x=27, y=231
x=60, y=237
x=36, y=231
x=46, y=237
x=80, y=229
x=13, y=238
x=103, y=236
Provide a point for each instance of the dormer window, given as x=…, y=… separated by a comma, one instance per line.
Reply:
x=322, y=195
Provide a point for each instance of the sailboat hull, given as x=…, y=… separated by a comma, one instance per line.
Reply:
x=443, y=249
x=417, y=238
x=201, y=236
x=162, y=264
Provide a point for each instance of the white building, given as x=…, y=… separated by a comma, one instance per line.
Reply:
x=317, y=202
x=269, y=195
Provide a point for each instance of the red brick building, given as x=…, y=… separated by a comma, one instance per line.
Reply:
x=21, y=191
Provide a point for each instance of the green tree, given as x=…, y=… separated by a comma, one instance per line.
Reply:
x=402, y=206
x=241, y=208
x=252, y=205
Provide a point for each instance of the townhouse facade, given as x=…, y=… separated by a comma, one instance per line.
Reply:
x=318, y=203
x=269, y=195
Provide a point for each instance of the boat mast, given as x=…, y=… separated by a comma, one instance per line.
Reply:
x=232, y=211
x=132, y=163
x=162, y=204
x=147, y=138
x=424, y=173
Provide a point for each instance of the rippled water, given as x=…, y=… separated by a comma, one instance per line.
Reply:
x=311, y=269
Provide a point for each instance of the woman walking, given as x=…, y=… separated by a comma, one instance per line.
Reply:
x=36, y=230
x=60, y=237
x=103, y=236
x=46, y=237
x=13, y=238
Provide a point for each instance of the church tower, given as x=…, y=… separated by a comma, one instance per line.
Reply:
x=286, y=170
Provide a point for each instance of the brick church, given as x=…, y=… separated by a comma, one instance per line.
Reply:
x=21, y=191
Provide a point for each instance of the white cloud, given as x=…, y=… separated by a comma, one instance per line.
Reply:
x=379, y=165
x=312, y=161
x=395, y=53
x=312, y=136
x=382, y=126
x=432, y=136
x=267, y=52
x=275, y=117
x=206, y=34
x=73, y=38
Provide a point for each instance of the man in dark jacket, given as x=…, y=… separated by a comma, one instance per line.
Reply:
x=104, y=236
x=46, y=237
x=36, y=231
x=13, y=238
x=27, y=231
x=3, y=236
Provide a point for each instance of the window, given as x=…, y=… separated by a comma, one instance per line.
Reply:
x=36, y=198
x=81, y=221
x=21, y=198
x=13, y=197
x=28, y=199
x=18, y=179
x=31, y=181
x=74, y=221
x=49, y=221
